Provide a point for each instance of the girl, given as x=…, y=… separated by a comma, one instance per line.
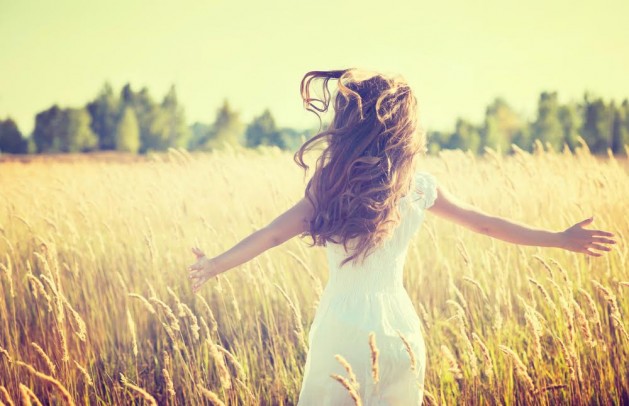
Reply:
x=364, y=203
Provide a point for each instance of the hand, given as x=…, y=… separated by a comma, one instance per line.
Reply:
x=579, y=239
x=202, y=270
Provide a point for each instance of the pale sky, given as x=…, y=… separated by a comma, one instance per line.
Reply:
x=457, y=55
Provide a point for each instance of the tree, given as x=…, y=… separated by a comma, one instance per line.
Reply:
x=597, y=123
x=465, y=137
x=547, y=127
x=48, y=132
x=502, y=125
x=128, y=132
x=168, y=125
x=620, y=128
x=263, y=131
x=11, y=140
x=78, y=135
x=146, y=112
x=570, y=120
x=64, y=130
x=105, y=113
x=227, y=129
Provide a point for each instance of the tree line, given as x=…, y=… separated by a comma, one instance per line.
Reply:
x=132, y=121
x=602, y=125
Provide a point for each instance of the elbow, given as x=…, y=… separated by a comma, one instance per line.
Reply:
x=272, y=237
x=484, y=227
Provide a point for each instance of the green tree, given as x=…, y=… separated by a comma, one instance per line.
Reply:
x=48, y=132
x=11, y=140
x=597, y=124
x=64, y=130
x=570, y=120
x=620, y=128
x=227, y=129
x=168, y=125
x=263, y=131
x=128, y=132
x=78, y=135
x=547, y=127
x=199, y=134
x=435, y=140
x=465, y=137
x=105, y=113
x=146, y=112
x=502, y=125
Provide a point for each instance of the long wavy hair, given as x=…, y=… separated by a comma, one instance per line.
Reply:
x=368, y=158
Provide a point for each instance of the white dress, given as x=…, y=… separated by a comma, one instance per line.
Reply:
x=364, y=298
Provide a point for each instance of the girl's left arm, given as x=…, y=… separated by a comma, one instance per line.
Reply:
x=292, y=222
x=575, y=238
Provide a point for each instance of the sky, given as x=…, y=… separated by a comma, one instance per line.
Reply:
x=457, y=55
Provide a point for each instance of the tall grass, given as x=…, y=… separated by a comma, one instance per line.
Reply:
x=95, y=304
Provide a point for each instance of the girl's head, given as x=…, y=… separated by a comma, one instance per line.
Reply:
x=368, y=159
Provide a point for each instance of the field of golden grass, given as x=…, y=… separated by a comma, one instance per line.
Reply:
x=95, y=305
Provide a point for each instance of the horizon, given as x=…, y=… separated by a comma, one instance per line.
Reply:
x=211, y=51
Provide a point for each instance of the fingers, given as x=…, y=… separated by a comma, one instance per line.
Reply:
x=197, y=251
x=585, y=222
x=601, y=233
x=603, y=240
x=600, y=247
x=592, y=253
x=197, y=273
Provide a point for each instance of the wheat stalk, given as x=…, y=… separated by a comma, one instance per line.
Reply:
x=134, y=338
x=595, y=316
x=454, y=365
x=374, y=357
x=194, y=325
x=545, y=294
x=348, y=368
x=6, y=397
x=211, y=396
x=86, y=375
x=42, y=353
x=170, y=387
x=144, y=301
x=81, y=329
x=232, y=359
x=520, y=368
x=583, y=324
x=143, y=393
x=478, y=286
x=234, y=300
x=213, y=323
x=50, y=380
x=223, y=372
x=487, y=362
x=620, y=325
x=28, y=396
x=409, y=350
x=5, y=353
x=350, y=389
x=174, y=322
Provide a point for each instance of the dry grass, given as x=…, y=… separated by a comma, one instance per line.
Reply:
x=93, y=257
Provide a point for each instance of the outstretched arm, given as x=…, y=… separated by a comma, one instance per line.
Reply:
x=292, y=222
x=575, y=238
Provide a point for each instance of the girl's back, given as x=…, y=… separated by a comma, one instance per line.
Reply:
x=365, y=299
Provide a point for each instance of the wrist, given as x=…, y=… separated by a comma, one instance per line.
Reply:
x=557, y=239
x=216, y=265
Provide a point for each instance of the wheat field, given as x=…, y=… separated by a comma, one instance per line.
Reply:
x=95, y=306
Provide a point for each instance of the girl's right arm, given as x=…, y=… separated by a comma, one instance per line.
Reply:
x=575, y=238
